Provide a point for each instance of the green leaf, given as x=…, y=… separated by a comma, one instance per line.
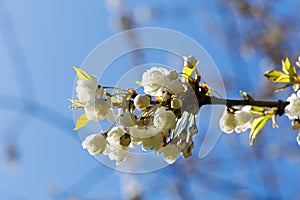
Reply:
x=81, y=122
x=76, y=104
x=187, y=71
x=254, y=112
x=277, y=76
x=257, y=108
x=288, y=69
x=257, y=125
x=139, y=83
x=283, y=87
x=286, y=65
x=246, y=96
x=81, y=75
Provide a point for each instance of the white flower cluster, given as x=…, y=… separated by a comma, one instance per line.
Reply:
x=161, y=125
x=293, y=111
x=238, y=121
x=91, y=95
x=115, y=143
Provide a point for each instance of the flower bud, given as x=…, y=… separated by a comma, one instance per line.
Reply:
x=193, y=130
x=190, y=61
x=166, y=133
x=296, y=124
x=188, y=152
x=165, y=96
x=170, y=153
x=172, y=75
x=147, y=121
x=125, y=140
x=141, y=102
x=176, y=103
x=182, y=135
x=181, y=144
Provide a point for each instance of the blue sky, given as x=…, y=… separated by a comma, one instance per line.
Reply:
x=40, y=41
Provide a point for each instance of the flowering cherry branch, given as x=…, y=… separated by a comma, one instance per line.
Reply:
x=164, y=118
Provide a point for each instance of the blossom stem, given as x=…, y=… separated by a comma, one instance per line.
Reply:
x=115, y=88
x=211, y=100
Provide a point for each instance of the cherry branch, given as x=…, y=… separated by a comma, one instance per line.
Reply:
x=211, y=100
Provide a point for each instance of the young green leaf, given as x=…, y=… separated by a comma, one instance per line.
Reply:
x=246, y=96
x=288, y=69
x=81, y=122
x=283, y=87
x=139, y=83
x=76, y=104
x=257, y=125
x=81, y=75
x=187, y=71
x=277, y=76
x=286, y=65
x=257, y=108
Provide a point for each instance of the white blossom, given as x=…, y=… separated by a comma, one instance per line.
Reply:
x=244, y=119
x=170, y=152
x=116, y=133
x=88, y=90
x=172, y=75
x=164, y=119
x=228, y=122
x=174, y=86
x=293, y=109
x=143, y=131
x=239, y=121
x=156, y=79
x=115, y=151
x=98, y=110
x=127, y=119
x=135, y=141
x=94, y=143
x=152, y=143
x=298, y=62
x=141, y=102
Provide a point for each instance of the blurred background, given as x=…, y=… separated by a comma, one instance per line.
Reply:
x=41, y=157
